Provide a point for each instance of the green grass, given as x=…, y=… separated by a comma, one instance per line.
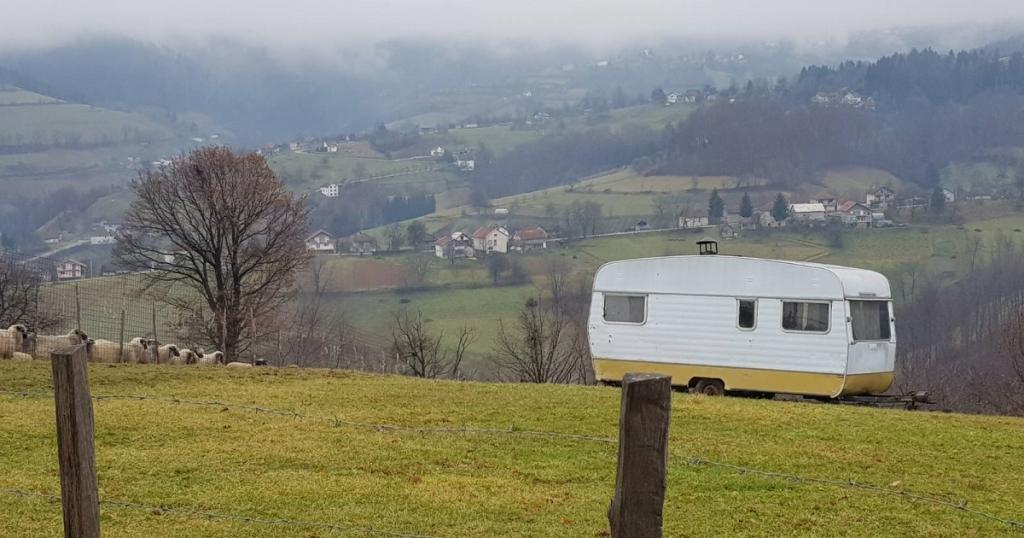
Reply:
x=498, y=138
x=311, y=170
x=11, y=95
x=242, y=463
x=50, y=124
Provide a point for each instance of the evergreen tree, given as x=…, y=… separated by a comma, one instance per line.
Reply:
x=658, y=96
x=780, y=209
x=938, y=202
x=746, y=207
x=716, y=207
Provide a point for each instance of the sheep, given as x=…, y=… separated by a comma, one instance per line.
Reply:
x=22, y=357
x=186, y=356
x=239, y=365
x=12, y=340
x=168, y=353
x=213, y=357
x=44, y=345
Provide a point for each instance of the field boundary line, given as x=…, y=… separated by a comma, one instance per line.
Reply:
x=221, y=516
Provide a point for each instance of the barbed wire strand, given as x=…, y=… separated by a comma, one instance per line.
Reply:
x=961, y=505
x=221, y=516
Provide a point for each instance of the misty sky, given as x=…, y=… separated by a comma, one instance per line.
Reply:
x=312, y=23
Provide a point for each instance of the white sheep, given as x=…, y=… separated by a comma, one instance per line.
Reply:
x=21, y=357
x=44, y=345
x=168, y=353
x=239, y=365
x=12, y=340
x=212, y=357
x=186, y=356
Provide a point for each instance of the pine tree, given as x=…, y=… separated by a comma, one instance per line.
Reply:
x=780, y=209
x=938, y=202
x=746, y=208
x=716, y=207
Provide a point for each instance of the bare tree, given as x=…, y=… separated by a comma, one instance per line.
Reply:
x=420, y=353
x=19, y=296
x=417, y=268
x=223, y=227
x=536, y=349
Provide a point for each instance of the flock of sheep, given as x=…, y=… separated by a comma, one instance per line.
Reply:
x=17, y=342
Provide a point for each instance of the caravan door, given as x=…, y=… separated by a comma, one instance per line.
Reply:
x=872, y=337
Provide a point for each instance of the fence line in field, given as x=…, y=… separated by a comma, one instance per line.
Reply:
x=221, y=516
x=955, y=504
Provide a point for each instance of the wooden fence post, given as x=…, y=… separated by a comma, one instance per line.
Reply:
x=636, y=508
x=75, y=452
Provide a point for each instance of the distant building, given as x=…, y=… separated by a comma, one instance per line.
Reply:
x=827, y=200
x=330, y=191
x=530, y=238
x=855, y=214
x=641, y=225
x=727, y=231
x=672, y=98
x=949, y=195
x=437, y=152
x=807, y=212
x=491, y=239
x=880, y=198
x=694, y=219
x=692, y=96
x=454, y=245
x=361, y=244
x=321, y=241
x=102, y=240
x=467, y=165
x=70, y=270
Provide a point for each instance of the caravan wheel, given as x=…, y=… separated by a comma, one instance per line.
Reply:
x=710, y=387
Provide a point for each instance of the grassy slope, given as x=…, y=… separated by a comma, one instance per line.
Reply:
x=453, y=484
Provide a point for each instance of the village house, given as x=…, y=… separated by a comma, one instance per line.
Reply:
x=693, y=219
x=881, y=198
x=949, y=195
x=102, y=240
x=530, y=238
x=466, y=165
x=361, y=244
x=437, y=152
x=330, y=191
x=672, y=98
x=454, y=245
x=855, y=214
x=491, y=239
x=766, y=220
x=692, y=96
x=321, y=241
x=807, y=212
x=70, y=270
x=727, y=231
x=827, y=200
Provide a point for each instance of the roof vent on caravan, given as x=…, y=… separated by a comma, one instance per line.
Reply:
x=707, y=247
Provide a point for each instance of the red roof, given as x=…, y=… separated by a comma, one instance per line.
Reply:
x=443, y=241
x=532, y=234
x=845, y=207
x=481, y=232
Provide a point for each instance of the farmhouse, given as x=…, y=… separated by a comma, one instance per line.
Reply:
x=466, y=165
x=70, y=270
x=827, y=200
x=437, y=152
x=807, y=212
x=321, y=241
x=530, y=238
x=855, y=214
x=694, y=219
x=330, y=191
x=491, y=239
x=881, y=198
x=361, y=244
x=727, y=231
x=672, y=98
x=949, y=195
x=455, y=245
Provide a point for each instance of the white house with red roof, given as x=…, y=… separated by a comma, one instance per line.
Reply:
x=454, y=245
x=491, y=239
x=529, y=238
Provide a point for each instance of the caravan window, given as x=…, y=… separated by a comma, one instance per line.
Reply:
x=747, y=317
x=805, y=317
x=870, y=320
x=625, y=308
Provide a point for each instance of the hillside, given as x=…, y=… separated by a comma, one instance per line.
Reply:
x=328, y=464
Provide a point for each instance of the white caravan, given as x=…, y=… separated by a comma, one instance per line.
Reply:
x=726, y=323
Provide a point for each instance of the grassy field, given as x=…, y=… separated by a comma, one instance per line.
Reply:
x=12, y=95
x=227, y=460
x=311, y=170
x=53, y=123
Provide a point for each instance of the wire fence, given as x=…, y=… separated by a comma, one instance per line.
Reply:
x=54, y=296
x=695, y=461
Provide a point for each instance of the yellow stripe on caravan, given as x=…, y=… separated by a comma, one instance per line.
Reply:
x=752, y=379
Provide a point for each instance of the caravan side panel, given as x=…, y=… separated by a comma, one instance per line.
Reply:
x=690, y=336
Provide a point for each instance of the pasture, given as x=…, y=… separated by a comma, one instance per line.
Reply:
x=70, y=124
x=322, y=465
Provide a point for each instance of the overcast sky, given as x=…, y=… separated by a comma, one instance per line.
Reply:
x=311, y=23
